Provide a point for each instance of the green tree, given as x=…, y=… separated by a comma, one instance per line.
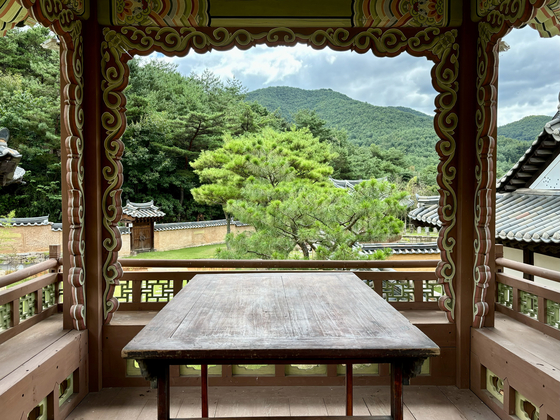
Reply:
x=271, y=157
x=314, y=217
x=172, y=119
x=278, y=183
x=30, y=109
x=338, y=140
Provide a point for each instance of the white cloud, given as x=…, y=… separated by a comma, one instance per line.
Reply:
x=529, y=74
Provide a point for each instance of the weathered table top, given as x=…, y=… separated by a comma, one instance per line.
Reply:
x=278, y=316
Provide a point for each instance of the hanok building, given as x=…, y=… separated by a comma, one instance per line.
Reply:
x=527, y=204
x=502, y=356
x=141, y=217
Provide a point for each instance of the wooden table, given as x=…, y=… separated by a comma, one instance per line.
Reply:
x=281, y=318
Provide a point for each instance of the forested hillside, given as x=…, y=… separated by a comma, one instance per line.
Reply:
x=406, y=130
x=526, y=129
x=365, y=123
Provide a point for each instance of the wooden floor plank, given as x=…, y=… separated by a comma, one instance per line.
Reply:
x=336, y=406
x=421, y=403
x=307, y=406
x=379, y=404
x=97, y=405
x=261, y=407
x=429, y=403
x=468, y=404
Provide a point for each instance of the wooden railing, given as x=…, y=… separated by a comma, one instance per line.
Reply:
x=150, y=290
x=527, y=301
x=24, y=305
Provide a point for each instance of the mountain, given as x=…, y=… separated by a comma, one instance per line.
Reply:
x=365, y=123
x=526, y=129
x=405, y=129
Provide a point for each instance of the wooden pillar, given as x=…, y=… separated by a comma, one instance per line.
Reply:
x=528, y=258
x=93, y=146
x=466, y=184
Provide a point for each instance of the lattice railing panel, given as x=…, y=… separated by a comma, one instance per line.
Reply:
x=40, y=412
x=65, y=390
x=505, y=295
x=495, y=385
x=27, y=306
x=194, y=370
x=5, y=316
x=254, y=370
x=528, y=304
x=359, y=369
x=133, y=368
x=157, y=290
x=60, y=292
x=432, y=291
x=525, y=409
x=305, y=370
x=123, y=291
x=398, y=290
x=49, y=296
x=553, y=313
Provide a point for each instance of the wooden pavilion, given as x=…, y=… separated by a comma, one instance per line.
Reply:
x=456, y=302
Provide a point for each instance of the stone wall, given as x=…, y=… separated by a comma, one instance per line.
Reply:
x=32, y=239
x=26, y=239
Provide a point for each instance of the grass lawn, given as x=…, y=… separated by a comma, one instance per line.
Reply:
x=193, y=253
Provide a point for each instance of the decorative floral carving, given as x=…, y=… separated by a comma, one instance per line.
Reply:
x=495, y=25
x=61, y=17
x=402, y=13
x=157, y=12
x=122, y=43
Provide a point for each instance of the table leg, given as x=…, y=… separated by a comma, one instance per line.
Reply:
x=204, y=389
x=349, y=390
x=397, y=391
x=163, y=398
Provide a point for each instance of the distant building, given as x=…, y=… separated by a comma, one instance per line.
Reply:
x=527, y=204
x=10, y=172
x=141, y=217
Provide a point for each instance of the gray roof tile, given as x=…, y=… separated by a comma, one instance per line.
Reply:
x=28, y=221
x=194, y=225
x=142, y=210
x=524, y=215
x=542, y=153
x=402, y=248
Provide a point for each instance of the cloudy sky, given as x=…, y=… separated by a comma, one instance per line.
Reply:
x=529, y=74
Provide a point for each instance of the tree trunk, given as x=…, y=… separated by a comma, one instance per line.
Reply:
x=305, y=250
x=182, y=196
x=228, y=226
x=228, y=222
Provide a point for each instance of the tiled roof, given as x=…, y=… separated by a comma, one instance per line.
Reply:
x=402, y=248
x=142, y=210
x=57, y=227
x=523, y=215
x=538, y=157
x=29, y=221
x=345, y=183
x=427, y=210
x=529, y=216
x=194, y=225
